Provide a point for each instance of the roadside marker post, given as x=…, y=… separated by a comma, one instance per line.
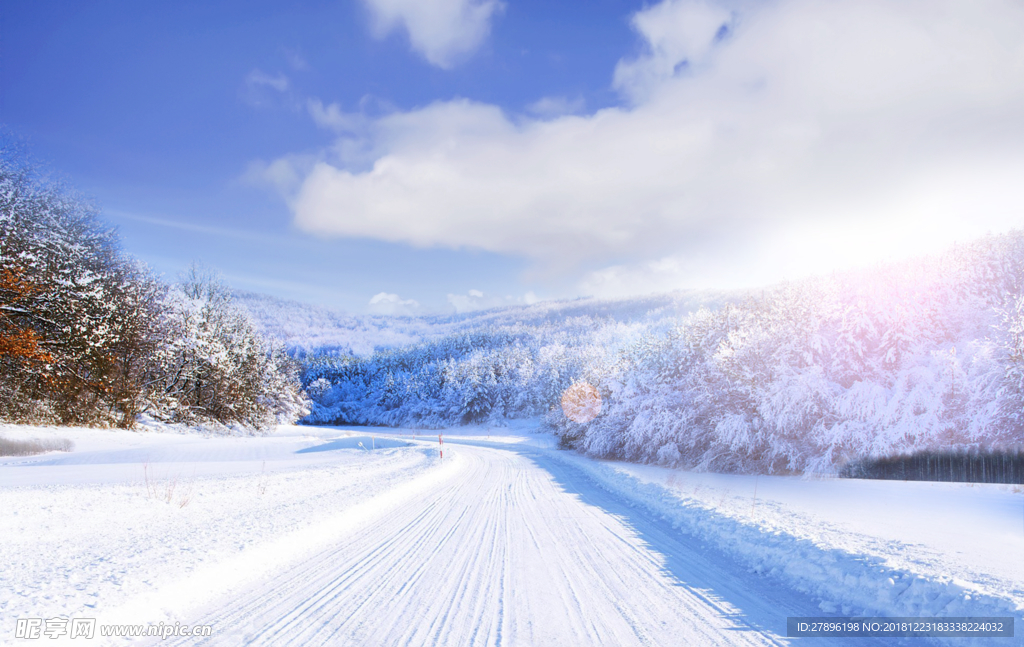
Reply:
x=440, y=443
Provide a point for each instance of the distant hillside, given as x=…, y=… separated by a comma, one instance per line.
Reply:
x=307, y=329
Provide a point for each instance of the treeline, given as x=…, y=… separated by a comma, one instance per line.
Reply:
x=958, y=467
x=489, y=375
x=89, y=337
x=806, y=376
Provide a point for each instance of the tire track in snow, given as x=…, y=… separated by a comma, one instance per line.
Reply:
x=516, y=548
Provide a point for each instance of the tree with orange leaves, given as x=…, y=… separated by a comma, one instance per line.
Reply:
x=89, y=337
x=61, y=273
x=18, y=342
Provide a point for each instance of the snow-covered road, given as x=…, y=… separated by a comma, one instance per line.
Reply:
x=514, y=547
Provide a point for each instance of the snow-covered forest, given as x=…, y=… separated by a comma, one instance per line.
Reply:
x=804, y=376
x=798, y=377
x=487, y=366
x=89, y=337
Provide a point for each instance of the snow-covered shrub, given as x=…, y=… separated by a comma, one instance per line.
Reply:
x=29, y=447
x=212, y=365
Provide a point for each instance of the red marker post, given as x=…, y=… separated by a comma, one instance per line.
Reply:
x=440, y=443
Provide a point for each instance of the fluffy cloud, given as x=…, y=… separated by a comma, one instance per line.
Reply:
x=334, y=118
x=384, y=303
x=764, y=139
x=442, y=31
x=679, y=36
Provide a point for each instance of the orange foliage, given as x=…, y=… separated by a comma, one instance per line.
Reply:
x=17, y=342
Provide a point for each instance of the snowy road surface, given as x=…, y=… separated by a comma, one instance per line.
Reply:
x=515, y=547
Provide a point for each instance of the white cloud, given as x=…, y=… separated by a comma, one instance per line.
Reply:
x=286, y=174
x=548, y=107
x=442, y=31
x=384, y=303
x=262, y=89
x=334, y=118
x=679, y=38
x=259, y=78
x=813, y=133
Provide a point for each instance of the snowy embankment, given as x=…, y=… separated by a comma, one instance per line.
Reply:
x=885, y=548
x=139, y=526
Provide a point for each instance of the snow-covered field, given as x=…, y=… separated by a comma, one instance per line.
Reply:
x=351, y=537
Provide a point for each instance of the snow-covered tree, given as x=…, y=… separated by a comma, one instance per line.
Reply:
x=212, y=365
x=88, y=336
x=69, y=323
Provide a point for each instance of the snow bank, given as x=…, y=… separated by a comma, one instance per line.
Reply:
x=858, y=578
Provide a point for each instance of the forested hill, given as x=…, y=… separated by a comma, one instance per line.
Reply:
x=310, y=330
x=804, y=376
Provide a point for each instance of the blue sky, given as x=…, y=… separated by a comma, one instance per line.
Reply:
x=412, y=155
